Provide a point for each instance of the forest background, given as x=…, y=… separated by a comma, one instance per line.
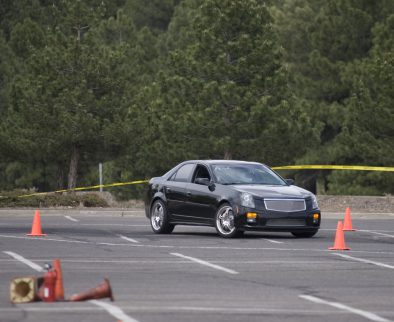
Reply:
x=142, y=85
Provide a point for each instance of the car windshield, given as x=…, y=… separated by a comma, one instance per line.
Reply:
x=245, y=174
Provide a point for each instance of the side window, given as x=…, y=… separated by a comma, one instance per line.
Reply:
x=201, y=173
x=184, y=173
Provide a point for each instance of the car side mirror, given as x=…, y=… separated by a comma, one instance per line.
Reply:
x=203, y=181
x=290, y=182
x=211, y=186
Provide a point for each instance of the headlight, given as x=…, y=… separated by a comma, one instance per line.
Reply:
x=314, y=202
x=247, y=200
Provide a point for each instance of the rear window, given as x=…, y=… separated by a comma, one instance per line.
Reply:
x=184, y=173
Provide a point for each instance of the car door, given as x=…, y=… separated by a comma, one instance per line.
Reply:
x=175, y=190
x=200, y=200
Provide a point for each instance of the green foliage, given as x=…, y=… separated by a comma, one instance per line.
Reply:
x=11, y=199
x=92, y=200
x=7, y=66
x=154, y=14
x=65, y=98
x=226, y=83
x=341, y=58
x=143, y=85
x=352, y=183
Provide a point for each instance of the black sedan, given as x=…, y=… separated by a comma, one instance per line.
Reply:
x=233, y=197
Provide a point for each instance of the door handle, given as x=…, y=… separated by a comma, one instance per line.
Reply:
x=189, y=194
x=168, y=189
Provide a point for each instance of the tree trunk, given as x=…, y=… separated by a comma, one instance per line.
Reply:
x=227, y=155
x=72, y=172
x=227, y=124
x=59, y=177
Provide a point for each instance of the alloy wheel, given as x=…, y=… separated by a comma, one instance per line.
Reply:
x=157, y=216
x=225, y=220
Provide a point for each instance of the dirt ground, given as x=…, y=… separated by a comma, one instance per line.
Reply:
x=367, y=204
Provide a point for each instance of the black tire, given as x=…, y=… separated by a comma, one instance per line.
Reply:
x=304, y=234
x=224, y=222
x=159, y=218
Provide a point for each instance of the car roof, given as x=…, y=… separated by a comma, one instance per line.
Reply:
x=206, y=162
x=209, y=161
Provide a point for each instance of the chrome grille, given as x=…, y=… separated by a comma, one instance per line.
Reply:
x=286, y=222
x=285, y=205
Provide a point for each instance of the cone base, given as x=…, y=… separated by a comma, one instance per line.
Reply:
x=348, y=229
x=37, y=235
x=335, y=248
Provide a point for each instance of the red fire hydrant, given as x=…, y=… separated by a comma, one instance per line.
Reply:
x=47, y=290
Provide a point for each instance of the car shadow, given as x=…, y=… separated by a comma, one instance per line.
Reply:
x=254, y=235
x=246, y=235
x=197, y=234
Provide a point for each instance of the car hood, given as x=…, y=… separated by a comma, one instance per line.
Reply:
x=266, y=191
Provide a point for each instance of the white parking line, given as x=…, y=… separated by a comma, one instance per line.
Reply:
x=364, y=260
x=20, y=258
x=71, y=218
x=368, y=315
x=165, y=309
x=47, y=239
x=205, y=263
x=122, y=225
x=114, y=311
x=175, y=261
x=115, y=244
x=129, y=239
x=376, y=233
x=272, y=241
x=90, y=225
x=193, y=247
x=50, y=309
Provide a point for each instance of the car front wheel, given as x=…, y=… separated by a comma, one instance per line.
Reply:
x=159, y=218
x=304, y=234
x=224, y=222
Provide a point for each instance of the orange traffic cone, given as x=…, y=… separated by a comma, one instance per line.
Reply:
x=339, y=243
x=347, y=223
x=101, y=291
x=36, y=227
x=59, y=289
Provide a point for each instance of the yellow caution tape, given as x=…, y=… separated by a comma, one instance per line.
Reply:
x=335, y=167
x=287, y=167
x=87, y=188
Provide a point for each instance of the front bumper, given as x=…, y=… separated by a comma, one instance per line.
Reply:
x=278, y=221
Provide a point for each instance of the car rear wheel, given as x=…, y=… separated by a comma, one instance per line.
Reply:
x=159, y=218
x=304, y=234
x=224, y=222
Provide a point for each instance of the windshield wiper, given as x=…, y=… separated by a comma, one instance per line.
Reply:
x=253, y=183
x=232, y=183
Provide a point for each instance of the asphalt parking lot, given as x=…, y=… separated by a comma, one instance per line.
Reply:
x=193, y=275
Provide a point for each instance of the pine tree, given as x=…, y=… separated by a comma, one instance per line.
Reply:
x=224, y=92
x=63, y=102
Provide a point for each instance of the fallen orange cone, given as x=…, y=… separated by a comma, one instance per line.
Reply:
x=59, y=289
x=347, y=223
x=339, y=243
x=25, y=289
x=36, y=227
x=101, y=291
